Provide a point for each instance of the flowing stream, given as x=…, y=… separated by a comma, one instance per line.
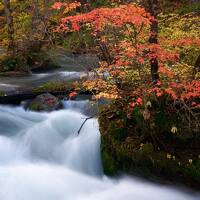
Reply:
x=11, y=84
x=43, y=158
x=71, y=67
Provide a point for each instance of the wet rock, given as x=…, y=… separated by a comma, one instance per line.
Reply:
x=44, y=102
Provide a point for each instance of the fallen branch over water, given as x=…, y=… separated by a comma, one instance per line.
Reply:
x=83, y=124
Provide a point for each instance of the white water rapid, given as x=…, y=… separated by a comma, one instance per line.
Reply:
x=43, y=158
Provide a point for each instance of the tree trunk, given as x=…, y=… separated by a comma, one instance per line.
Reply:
x=197, y=64
x=10, y=27
x=153, y=39
x=152, y=6
x=34, y=20
x=105, y=52
x=45, y=19
x=196, y=67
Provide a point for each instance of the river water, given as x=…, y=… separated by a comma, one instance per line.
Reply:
x=42, y=157
x=71, y=67
x=12, y=84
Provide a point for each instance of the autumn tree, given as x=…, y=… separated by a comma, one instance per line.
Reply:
x=131, y=33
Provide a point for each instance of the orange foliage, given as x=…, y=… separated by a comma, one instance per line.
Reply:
x=132, y=51
x=99, y=18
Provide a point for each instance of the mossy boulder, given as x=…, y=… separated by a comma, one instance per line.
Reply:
x=44, y=102
x=126, y=149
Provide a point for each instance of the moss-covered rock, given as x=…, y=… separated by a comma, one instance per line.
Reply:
x=55, y=86
x=126, y=149
x=44, y=102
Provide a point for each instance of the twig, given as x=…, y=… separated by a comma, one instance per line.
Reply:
x=83, y=124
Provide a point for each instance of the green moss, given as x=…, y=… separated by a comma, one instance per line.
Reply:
x=35, y=107
x=54, y=86
x=108, y=161
x=165, y=155
x=2, y=93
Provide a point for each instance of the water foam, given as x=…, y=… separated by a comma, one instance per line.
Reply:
x=43, y=157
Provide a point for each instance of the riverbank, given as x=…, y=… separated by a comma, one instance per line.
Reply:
x=165, y=157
